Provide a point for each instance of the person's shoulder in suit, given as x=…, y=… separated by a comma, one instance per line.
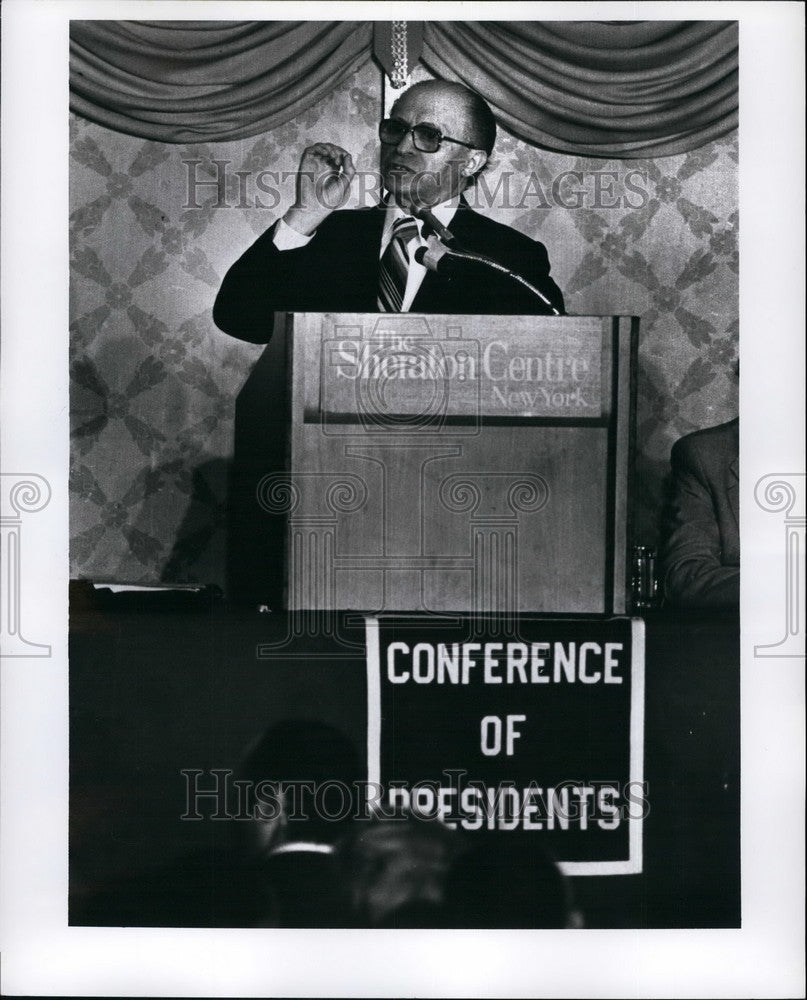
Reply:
x=701, y=554
x=710, y=445
x=496, y=235
x=517, y=251
x=480, y=232
x=350, y=220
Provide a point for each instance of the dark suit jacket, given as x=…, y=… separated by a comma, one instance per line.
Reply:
x=702, y=554
x=338, y=272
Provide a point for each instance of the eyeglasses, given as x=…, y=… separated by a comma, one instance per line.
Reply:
x=426, y=138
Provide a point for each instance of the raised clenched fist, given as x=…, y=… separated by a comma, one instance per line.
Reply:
x=323, y=185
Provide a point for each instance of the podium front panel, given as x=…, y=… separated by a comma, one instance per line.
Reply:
x=457, y=463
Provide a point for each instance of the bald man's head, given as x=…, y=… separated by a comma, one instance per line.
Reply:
x=481, y=129
x=422, y=178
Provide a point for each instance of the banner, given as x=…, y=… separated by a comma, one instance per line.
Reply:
x=536, y=729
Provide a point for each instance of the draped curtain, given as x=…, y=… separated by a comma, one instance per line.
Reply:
x=623, y=89
x=208, y=81
x=648, y=88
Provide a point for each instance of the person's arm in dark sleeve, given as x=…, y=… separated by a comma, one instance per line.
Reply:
x=694, y=575
x=263, y=281
x=281, y=271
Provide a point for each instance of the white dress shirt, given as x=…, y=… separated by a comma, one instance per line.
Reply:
x=286, y=238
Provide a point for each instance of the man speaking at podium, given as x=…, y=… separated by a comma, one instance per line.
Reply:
x=317, y=259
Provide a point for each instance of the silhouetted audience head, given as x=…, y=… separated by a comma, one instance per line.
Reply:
x=395, y=870
x=302, y=777
x=413, y=872
x=502, y=882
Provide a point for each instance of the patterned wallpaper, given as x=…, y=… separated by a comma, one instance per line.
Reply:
x=154, y=384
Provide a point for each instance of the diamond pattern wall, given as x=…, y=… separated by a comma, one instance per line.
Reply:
x=154, y=227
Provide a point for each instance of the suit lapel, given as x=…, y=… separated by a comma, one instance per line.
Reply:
x=437, y=294
x=733, y=473
x=733, y=489
x=362, y=258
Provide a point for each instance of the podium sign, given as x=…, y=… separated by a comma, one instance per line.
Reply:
x=402, y=370
x=535, y=731
x=457, y=463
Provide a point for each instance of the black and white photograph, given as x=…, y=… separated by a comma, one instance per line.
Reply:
x=388, y=514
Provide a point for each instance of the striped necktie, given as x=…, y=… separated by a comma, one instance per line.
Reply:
x=394, y=266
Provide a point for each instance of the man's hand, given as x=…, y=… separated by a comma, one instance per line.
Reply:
x=323, y=185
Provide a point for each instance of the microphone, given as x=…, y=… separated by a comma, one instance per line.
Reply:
x=432, y=223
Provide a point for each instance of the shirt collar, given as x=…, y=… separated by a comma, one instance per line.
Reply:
x=443, y=213
x=302, y=847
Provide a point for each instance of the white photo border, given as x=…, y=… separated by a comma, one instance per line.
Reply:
x=41, y=954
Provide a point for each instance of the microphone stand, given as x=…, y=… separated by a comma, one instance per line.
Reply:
x=443, y=246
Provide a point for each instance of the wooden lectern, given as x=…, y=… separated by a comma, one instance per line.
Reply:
x=457, y=463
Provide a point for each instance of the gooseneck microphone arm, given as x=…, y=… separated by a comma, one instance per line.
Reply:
x=441, y=253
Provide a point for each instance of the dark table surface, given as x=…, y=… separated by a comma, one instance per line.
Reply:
x=163, y=683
